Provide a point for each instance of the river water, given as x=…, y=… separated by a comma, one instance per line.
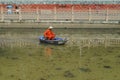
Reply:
x=29, y=60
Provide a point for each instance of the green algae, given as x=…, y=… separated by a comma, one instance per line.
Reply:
x=52, y=62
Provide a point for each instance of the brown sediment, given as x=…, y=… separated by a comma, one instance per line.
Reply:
x=15, y=58
x=107, y=67
x=68, y=74
x=43, y=79
x=58, y=68
x=84, y=69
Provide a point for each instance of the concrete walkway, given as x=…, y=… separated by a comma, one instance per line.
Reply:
x=57, y=25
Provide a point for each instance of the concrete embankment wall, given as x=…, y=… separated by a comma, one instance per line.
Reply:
x=57, y=25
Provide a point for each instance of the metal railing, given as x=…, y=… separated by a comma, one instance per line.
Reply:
x=83, y=42
x=60, y=15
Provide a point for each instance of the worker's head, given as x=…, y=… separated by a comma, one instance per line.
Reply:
x=50, y=27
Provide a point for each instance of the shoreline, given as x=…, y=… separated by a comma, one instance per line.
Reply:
x=57, y=25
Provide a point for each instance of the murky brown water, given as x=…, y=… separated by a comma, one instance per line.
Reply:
x=27, y=60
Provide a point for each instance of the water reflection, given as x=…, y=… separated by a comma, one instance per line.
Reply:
x=48, y=51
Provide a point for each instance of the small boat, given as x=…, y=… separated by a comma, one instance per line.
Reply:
x=56, y=41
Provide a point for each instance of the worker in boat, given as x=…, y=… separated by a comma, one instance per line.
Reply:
x=49, y=34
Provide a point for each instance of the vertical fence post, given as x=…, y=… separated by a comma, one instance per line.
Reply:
x=20, y=15
x=40, y=12
x=90, y=11
x=80, y=47
x=106, y=42
x=106, y=14
x=72, y=13
x=89, y=44
x=2, y=14
x=55, y=13
x=37, y=11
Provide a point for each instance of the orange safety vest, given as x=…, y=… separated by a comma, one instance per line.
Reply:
x=49, y=34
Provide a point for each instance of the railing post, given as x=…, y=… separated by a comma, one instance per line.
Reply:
x=72, y=13
x=89, y=43
x=107, y=14
x=2, y=14
x=55, y=13
x=106, y=42
x=90, y=11
x=37, y=11
x=20, y=15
